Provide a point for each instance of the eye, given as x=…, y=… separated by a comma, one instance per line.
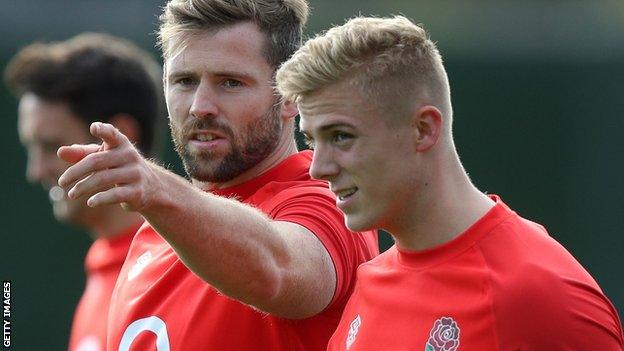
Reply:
x=341, y=138
x=185, y=81
x=231, y=83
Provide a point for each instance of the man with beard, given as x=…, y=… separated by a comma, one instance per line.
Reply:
x=255, y=256
x=62, y=88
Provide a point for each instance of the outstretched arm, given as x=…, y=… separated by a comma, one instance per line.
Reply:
x=279, y=267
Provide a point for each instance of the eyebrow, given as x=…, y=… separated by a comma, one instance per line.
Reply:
x=172, y=74
x=328, y=127
x=189, y=73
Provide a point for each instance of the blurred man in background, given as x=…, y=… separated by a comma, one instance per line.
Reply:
x=62, y=87
x=255, y=255
x=466, y=273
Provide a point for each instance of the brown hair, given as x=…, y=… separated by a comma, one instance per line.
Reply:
x=97, y=75
x=281, y=20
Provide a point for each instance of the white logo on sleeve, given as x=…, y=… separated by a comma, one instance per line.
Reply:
x=354, y=327
x=140, y=264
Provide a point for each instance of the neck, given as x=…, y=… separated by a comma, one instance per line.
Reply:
x=285, y=148
x=447, y=204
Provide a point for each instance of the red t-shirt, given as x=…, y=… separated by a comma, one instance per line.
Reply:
x=503, y=284
x=102, y=265
x=160, y=305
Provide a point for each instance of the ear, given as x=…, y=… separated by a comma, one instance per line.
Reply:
x=127, y=125
x=289, y=110
x=427, y=127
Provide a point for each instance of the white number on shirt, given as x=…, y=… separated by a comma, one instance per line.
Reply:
x=153, y=324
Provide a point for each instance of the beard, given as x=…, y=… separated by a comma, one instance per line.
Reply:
x=256, y=141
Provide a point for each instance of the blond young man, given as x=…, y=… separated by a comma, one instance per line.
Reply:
x=63, y=87
x=253, y=255
x=466, y=273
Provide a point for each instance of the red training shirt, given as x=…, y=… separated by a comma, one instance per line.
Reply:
x=503, y=284
x=158, y=304
x=102, y=265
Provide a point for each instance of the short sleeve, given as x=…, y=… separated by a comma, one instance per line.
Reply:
x=314, y=208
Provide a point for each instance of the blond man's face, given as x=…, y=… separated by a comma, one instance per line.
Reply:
x=367, y=162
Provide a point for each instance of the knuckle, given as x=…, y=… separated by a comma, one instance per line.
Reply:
x=136, y=192
x=136, y=174
x=81, y=185
x=96, y=160
x=121, y=195
x=125, y=194
x=135, y=156
x=130, y=155
x=106, y=177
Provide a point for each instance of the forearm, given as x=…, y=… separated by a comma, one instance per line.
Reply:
x=234, y=247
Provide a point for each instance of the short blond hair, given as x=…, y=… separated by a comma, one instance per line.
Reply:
x=282, y=21
x=386, y=59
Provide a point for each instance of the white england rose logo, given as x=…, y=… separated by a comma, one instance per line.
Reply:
x=444, y=335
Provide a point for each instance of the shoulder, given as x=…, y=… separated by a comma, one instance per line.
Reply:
x=540, y=307
x=518, y=250
x=542, y=296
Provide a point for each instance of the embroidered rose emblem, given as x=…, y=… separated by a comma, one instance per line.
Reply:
x=444, y=335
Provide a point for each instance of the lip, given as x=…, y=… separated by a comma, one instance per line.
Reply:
x=207, y=145
x=217, y=135
x=218, y=141
x=344, y=203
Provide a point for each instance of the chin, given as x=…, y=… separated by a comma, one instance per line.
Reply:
x=61, y=211
x=64, y=216
x=358, y=223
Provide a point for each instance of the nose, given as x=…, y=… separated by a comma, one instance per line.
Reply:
x=323, y=165
x=204, y=102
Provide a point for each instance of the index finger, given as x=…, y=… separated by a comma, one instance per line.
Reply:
x=110, y=135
